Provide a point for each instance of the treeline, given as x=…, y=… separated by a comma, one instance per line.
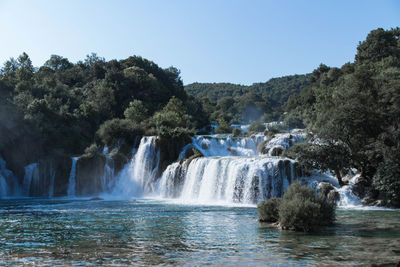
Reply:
x=65, y=108
x=233, y=103
x=354, y=114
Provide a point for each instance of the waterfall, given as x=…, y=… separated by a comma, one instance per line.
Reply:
x=171, y=182
x=146, y=168
x=347, y=197
x=284, y=141
x=226, y=145
x=52, y=173
x=72, y=176
x=3, y=186
x=4, y=189
x=108, y=173
x=245, y=180
x=138, y=176
x=31, y=178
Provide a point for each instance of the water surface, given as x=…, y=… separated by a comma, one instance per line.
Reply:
x=148, y=232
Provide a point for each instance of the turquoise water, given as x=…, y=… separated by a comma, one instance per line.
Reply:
x=146, y=232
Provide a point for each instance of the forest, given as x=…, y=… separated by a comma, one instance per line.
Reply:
x=353, y=113
x=62, y=108
x=240, y=104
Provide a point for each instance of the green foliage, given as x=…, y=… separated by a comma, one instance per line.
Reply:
x=236, y=132
x=268, y=211
x=223, y=127
x=172, y=120
x=322, y=156
x=256, y=127
x=302, y=210
x=244, y=104
x=111, y=131
x=387, y=179
x=272, y=130
x=92, y=150
x=66, y=103
x=136, y=112
x=355, y=110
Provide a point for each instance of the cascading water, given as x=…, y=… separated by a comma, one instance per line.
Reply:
x=72, y=176
x=52, y=173
x=347, y=197
x=284, y=141
x=226, y=145
x=138, y=176
x=245, y=180
x=4, y=173
x=231, y=171
x=108, y=173
x=31, y=179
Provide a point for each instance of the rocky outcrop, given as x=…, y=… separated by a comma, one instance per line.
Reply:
x=329, y=192
x=170, y=150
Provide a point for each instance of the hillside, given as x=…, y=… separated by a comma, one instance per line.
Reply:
x=235, y=103
x=277, y=90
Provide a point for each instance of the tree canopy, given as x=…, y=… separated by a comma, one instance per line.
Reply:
x=355, y=111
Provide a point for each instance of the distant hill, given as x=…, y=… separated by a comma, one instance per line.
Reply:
x=276, y=90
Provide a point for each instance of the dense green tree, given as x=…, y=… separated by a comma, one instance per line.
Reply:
x=136, y=112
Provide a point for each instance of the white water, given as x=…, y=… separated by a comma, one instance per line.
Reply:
x=138, y=176
x=4, y=173
x=231, y=172
x=347, y=198
x=226, y=145
x=284, y=141
x=245, y=180
x=72, y=176
x=31, y=178
x=108, y=174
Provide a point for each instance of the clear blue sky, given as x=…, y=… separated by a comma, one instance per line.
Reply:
x=235, y=41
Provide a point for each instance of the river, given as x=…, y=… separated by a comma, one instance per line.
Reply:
x=153, y=232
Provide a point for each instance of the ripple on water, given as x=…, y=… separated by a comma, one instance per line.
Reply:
x=81, y=232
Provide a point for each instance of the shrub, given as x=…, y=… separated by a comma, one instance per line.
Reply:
x=268, y=211
x=113, y=130
x=256, y=126
x=236, y=132
x=223, y=127
x=294, y=120
x=302, y=210
x=272, y=130
x=91, y=150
